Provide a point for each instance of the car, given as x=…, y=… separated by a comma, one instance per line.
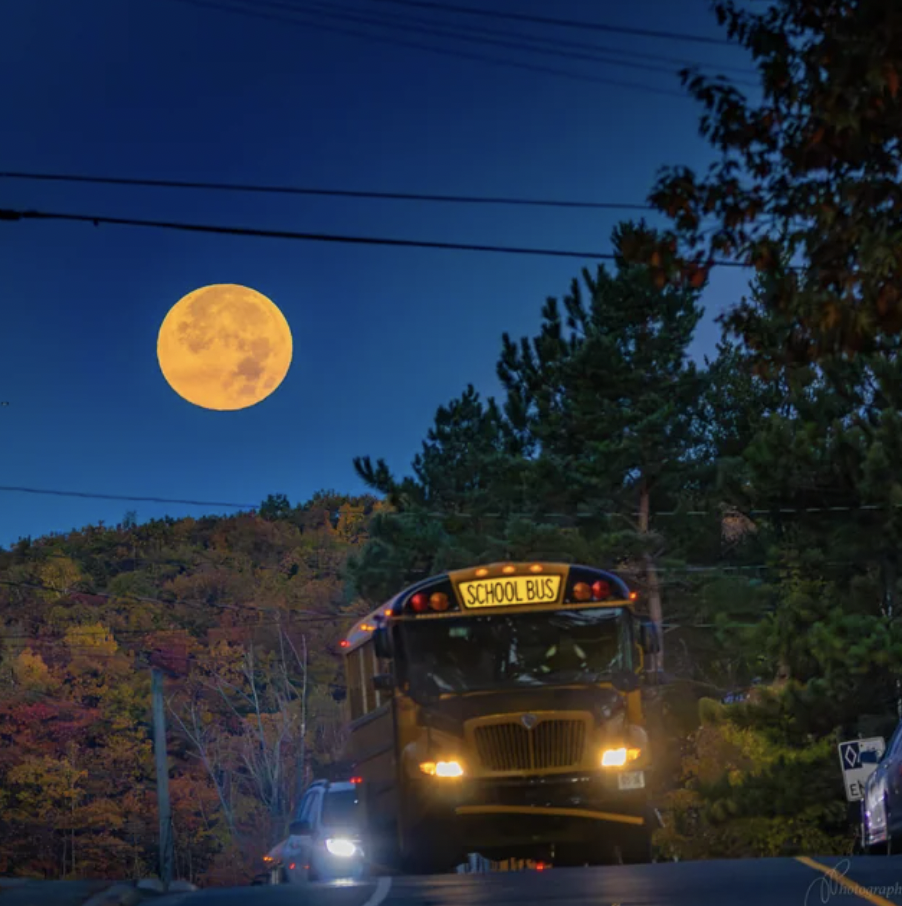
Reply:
x=325, y=841
x=881, y=803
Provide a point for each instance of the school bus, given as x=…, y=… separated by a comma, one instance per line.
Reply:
x=498, y=710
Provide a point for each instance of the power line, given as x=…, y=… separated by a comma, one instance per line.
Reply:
x=566, y=44
x=308, y=616
x=776, y=510
x=97, y=496
x=97, y=219
x=562, y=23
x=339, y=193
x=83, y=631
x=433, y=28
x=536, y=41
x=529, y=67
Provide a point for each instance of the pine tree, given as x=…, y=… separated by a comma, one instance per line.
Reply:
x=451, y=512
x=607, y=394
x=815, y=460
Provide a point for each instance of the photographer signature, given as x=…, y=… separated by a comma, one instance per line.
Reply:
x=828, y=885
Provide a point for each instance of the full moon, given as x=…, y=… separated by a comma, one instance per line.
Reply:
x=224, y=347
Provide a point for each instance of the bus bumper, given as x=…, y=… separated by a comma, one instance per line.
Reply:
x=559, y=809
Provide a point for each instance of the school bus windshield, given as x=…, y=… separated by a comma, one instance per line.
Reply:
x=478, y=653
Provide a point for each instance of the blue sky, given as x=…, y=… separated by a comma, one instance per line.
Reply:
x=382, y=336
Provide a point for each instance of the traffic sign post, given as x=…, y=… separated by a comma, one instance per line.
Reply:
x=858, y=759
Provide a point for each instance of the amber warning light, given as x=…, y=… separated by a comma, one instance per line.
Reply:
x=437, y=601
x=598, y=591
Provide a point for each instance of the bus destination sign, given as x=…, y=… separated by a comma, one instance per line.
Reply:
x=510, y=591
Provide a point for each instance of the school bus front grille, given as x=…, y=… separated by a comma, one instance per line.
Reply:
x=550, y=744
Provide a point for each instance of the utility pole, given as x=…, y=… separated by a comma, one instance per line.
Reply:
x=651, y=579
x=889, y=607
x=162, y=759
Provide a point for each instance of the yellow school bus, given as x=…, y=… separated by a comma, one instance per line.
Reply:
x=498, y=710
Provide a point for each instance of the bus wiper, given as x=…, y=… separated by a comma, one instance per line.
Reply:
x=427, y=691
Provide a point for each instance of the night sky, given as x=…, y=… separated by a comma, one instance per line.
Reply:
x=164, y=89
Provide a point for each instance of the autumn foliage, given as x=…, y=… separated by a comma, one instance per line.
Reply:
x=805, y=186
x=243, y=614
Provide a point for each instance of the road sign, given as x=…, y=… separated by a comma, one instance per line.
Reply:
x=859, y=758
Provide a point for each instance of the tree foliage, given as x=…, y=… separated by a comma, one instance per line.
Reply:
x=772, y=493
x=805, y=187
x=243, y=614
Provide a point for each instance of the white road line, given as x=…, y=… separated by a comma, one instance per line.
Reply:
x=383, y=885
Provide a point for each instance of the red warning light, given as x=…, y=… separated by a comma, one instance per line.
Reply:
x=419, y=603
x=540, y=866
x=356, y=780
x=601, y=590
x=344, y=643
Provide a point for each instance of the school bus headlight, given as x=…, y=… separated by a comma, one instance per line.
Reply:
x=442, y=768
x=617, y=758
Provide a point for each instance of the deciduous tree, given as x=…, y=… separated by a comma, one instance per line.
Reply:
x=806, y=185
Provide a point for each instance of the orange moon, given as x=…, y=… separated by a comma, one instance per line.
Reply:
x=224, y=347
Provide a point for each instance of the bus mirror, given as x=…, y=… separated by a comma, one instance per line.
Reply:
x=383, y=682
x=649, y=638
x=382, y=643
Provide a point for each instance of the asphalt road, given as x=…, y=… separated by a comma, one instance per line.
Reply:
x=752, y=882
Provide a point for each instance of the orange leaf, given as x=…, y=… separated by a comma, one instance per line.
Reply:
x=656, y=259
x=697, y=279
x=762, y=260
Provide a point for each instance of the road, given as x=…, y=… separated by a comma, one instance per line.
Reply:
x=752, y=882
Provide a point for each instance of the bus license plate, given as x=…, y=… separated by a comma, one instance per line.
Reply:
x=510, y=591
x=631, y=780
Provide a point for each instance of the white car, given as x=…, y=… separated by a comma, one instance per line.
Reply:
x=326, y=839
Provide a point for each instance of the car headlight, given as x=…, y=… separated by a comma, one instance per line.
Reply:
x=617, y=758
x=339, y=846
x=442, y=768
